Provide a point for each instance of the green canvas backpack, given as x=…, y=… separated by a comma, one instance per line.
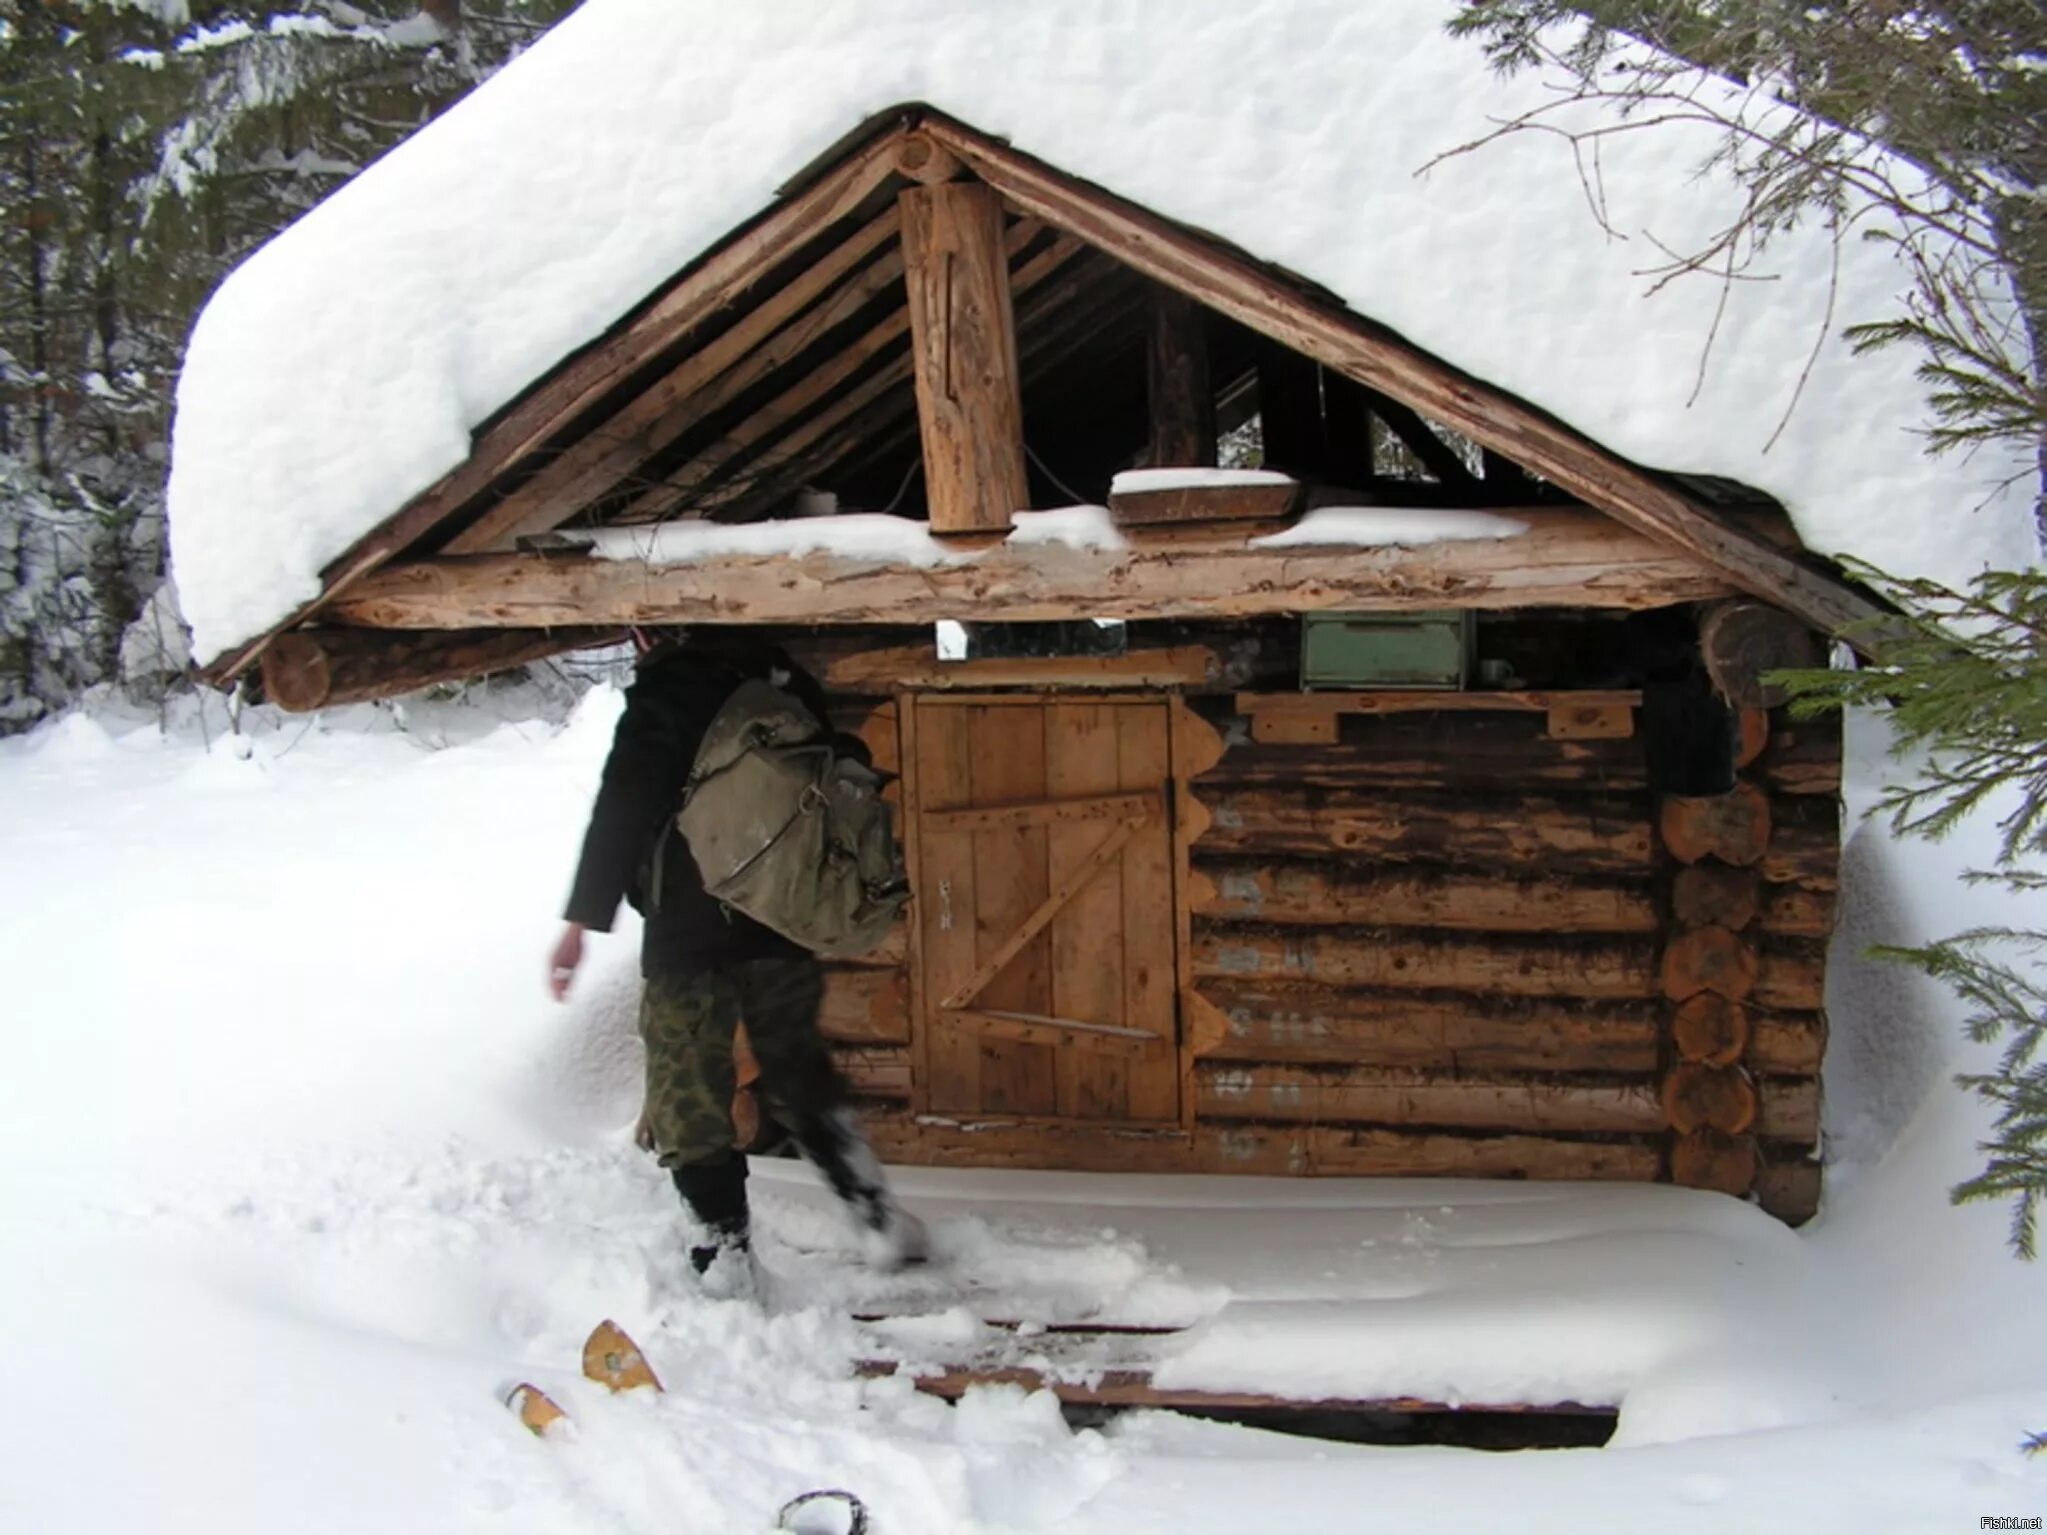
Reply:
x=789, y=831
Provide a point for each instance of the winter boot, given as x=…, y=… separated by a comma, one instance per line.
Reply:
x=891, y=1236
x=715, y=1193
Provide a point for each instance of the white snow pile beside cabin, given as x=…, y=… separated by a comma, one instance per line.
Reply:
x=299, y=1170
x=341, y=369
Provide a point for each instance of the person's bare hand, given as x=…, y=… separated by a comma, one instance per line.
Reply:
x=568, y=953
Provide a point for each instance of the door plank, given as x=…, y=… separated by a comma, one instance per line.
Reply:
x=1087, y=937
x=1048, y=812
x=945, y=906
x=1075, y=1040
x=1150, y=973
x=1103, y=853
x=1011, y=880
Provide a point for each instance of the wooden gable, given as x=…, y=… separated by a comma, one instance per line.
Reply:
x=788, y=357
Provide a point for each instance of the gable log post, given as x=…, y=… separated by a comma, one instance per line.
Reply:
x=1290, y=411
x=963, y=342
x=1182, y=398
x=1347, y=430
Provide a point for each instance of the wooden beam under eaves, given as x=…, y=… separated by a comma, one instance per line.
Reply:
x=1565, y=559
x=1233, y=283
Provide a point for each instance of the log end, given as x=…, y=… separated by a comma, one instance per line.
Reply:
x=1710, y=1030
x=296, y=676
x=1744, y=641
x=1709, y=959
x=1712, y=1159
x=1733, y=827
x=1701, y=1097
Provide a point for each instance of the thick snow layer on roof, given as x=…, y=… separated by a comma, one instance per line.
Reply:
x=851, y=536
x=343, y=367
x=1367, y=526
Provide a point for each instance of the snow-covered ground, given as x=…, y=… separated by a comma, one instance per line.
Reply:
x=299, y=1169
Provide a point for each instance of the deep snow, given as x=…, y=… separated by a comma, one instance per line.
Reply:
x=299, y=1168
x=341, y=369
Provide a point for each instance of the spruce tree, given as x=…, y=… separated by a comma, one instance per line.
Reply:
x=146, y=146
x=1925, y=127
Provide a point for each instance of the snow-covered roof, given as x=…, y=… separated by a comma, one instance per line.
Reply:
x=342, y=369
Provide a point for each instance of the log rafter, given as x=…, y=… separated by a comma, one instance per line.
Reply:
x=703, y=381
x=751, y=457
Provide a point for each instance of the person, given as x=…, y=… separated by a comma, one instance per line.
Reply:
x=705, y=967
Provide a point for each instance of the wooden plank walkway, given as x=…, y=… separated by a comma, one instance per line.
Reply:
x=1112, y=1365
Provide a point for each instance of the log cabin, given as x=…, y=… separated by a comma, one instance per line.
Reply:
x=1313, y=758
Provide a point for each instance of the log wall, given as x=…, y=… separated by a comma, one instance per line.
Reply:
x=1449, y=944
x=1753, y=876
x=1453, y=931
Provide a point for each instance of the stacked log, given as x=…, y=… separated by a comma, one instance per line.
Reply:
x=1459, y=931
x=1751, y=881
x=1430, y=945
x=1451, y=944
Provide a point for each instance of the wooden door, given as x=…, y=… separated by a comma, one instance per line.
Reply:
x=1045, y=908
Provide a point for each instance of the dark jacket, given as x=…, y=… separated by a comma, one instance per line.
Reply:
x=678, y=690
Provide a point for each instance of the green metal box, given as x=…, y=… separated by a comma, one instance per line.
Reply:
x=1387, y=650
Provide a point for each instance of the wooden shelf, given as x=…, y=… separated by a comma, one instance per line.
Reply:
x=1310, y=718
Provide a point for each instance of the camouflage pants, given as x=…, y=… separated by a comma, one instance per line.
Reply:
x=687, y=1022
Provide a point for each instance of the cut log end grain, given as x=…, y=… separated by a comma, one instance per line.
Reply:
x=1701, y=1097
x=1744, y=641
x=1733, y=827
x=1751, y=735
x=1715, y=895
x=1712, y=1159
x=1790, y=1190
x=307, y=669
x=1709, y=959
x=1710, y=1029
x=1803, y=756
